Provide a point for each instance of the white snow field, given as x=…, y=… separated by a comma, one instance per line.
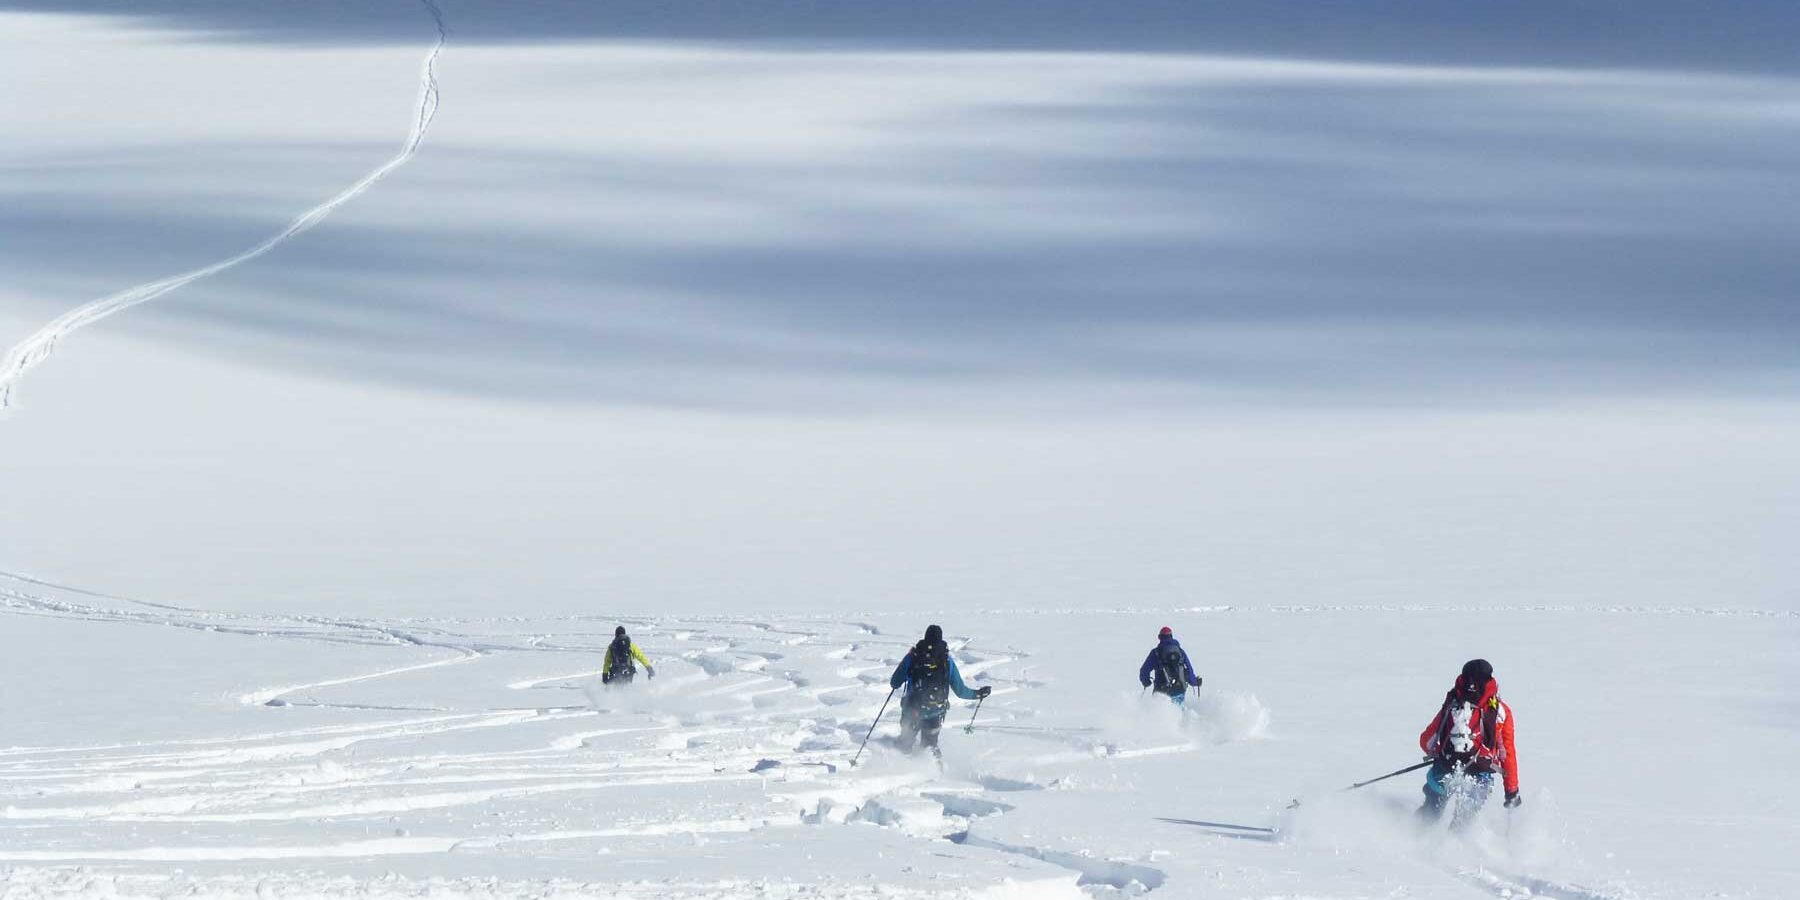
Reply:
x=153, y=750
x=369, y=509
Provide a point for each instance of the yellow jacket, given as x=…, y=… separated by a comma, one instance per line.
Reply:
x=607, y=664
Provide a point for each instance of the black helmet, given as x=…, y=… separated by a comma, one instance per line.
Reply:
x=1476, y=673
x=934, y=633
x=619, y=631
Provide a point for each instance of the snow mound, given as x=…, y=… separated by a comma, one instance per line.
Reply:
x=910, y=813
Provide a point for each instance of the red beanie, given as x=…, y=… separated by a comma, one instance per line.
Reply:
x=1166, y=632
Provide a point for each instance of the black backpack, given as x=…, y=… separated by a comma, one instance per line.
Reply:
x=619, y=661
x=1171, y=669
x=931, y=673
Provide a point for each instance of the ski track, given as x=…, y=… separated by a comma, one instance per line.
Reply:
x=1519, y=887
x=267, y=695
x=38, y=347
x=746, y=710
x=748, y=730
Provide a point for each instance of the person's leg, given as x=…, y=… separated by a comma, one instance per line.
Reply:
x=1479, y=788
x=929, y=729
x=909, y=725
x=1179, y=699
x=1467, y=794
x=1471, y=794
x=1435, y=792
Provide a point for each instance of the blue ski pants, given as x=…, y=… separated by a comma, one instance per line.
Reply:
x=1479, y=785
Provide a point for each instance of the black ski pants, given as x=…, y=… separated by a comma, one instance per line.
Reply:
x=919, y=725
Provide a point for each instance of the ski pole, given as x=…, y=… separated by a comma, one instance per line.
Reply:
x=970, y=728
x=1412, y=768
x=865, y=743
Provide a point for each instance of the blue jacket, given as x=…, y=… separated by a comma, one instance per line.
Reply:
x=1151, y=663
x=903, y=675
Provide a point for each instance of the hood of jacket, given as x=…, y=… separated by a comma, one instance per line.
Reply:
x=1488, y=693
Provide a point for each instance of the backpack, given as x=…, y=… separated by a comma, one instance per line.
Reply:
x=931, y=673
x=1456, y=742
x=619, y=659
x=1171, y=668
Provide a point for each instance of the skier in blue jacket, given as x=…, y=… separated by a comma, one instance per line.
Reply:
x=930, y=674
x=1170, y=667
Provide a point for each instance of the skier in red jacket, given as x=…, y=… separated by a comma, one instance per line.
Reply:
x=1471, y=735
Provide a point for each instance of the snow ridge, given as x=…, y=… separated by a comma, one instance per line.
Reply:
x=37, y=348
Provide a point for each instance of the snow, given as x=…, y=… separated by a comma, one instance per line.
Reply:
x=344, y=551
x=154, y=750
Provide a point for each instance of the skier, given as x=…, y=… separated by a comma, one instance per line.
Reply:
x=930, y=674
x=618, y=665
x=1170, y=666
x=1472, y=735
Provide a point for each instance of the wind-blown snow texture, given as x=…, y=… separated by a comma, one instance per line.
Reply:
x=154, y=750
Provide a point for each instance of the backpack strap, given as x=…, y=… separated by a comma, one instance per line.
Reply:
x=1490, y=726
x=1444, y=724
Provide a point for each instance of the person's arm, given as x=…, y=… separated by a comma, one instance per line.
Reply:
x=639, y=655
x=1187, y=662
x=1145, y=669
x=901, y=672
x=956, y=683
x=606, y=665
x=1510, y=768
x=1428, y=739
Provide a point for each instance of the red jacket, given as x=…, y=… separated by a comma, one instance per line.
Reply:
x=1490, y=725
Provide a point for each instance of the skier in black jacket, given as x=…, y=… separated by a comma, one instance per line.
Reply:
x=930, y=675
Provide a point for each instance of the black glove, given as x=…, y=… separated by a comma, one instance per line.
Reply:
x=652, y=672
x=1197, y=680
x=1513, y=800
x=982, y=692
x=1145, y=683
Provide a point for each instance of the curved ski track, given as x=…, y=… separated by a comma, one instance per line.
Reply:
x=492, y=737
x=35, y=349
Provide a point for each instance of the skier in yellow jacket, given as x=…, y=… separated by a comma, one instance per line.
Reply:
x=618, y=667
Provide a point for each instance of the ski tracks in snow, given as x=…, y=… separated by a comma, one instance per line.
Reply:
x=507, y=749
x=37, y=348
x=735, y=743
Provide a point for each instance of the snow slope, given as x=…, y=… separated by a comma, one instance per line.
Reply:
x=158, y=751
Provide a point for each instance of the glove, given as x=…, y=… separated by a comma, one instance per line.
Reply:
x=983, y=692
x=651, y=672
x=1197, y=680
x=1144, y=683
x=1513, y=800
